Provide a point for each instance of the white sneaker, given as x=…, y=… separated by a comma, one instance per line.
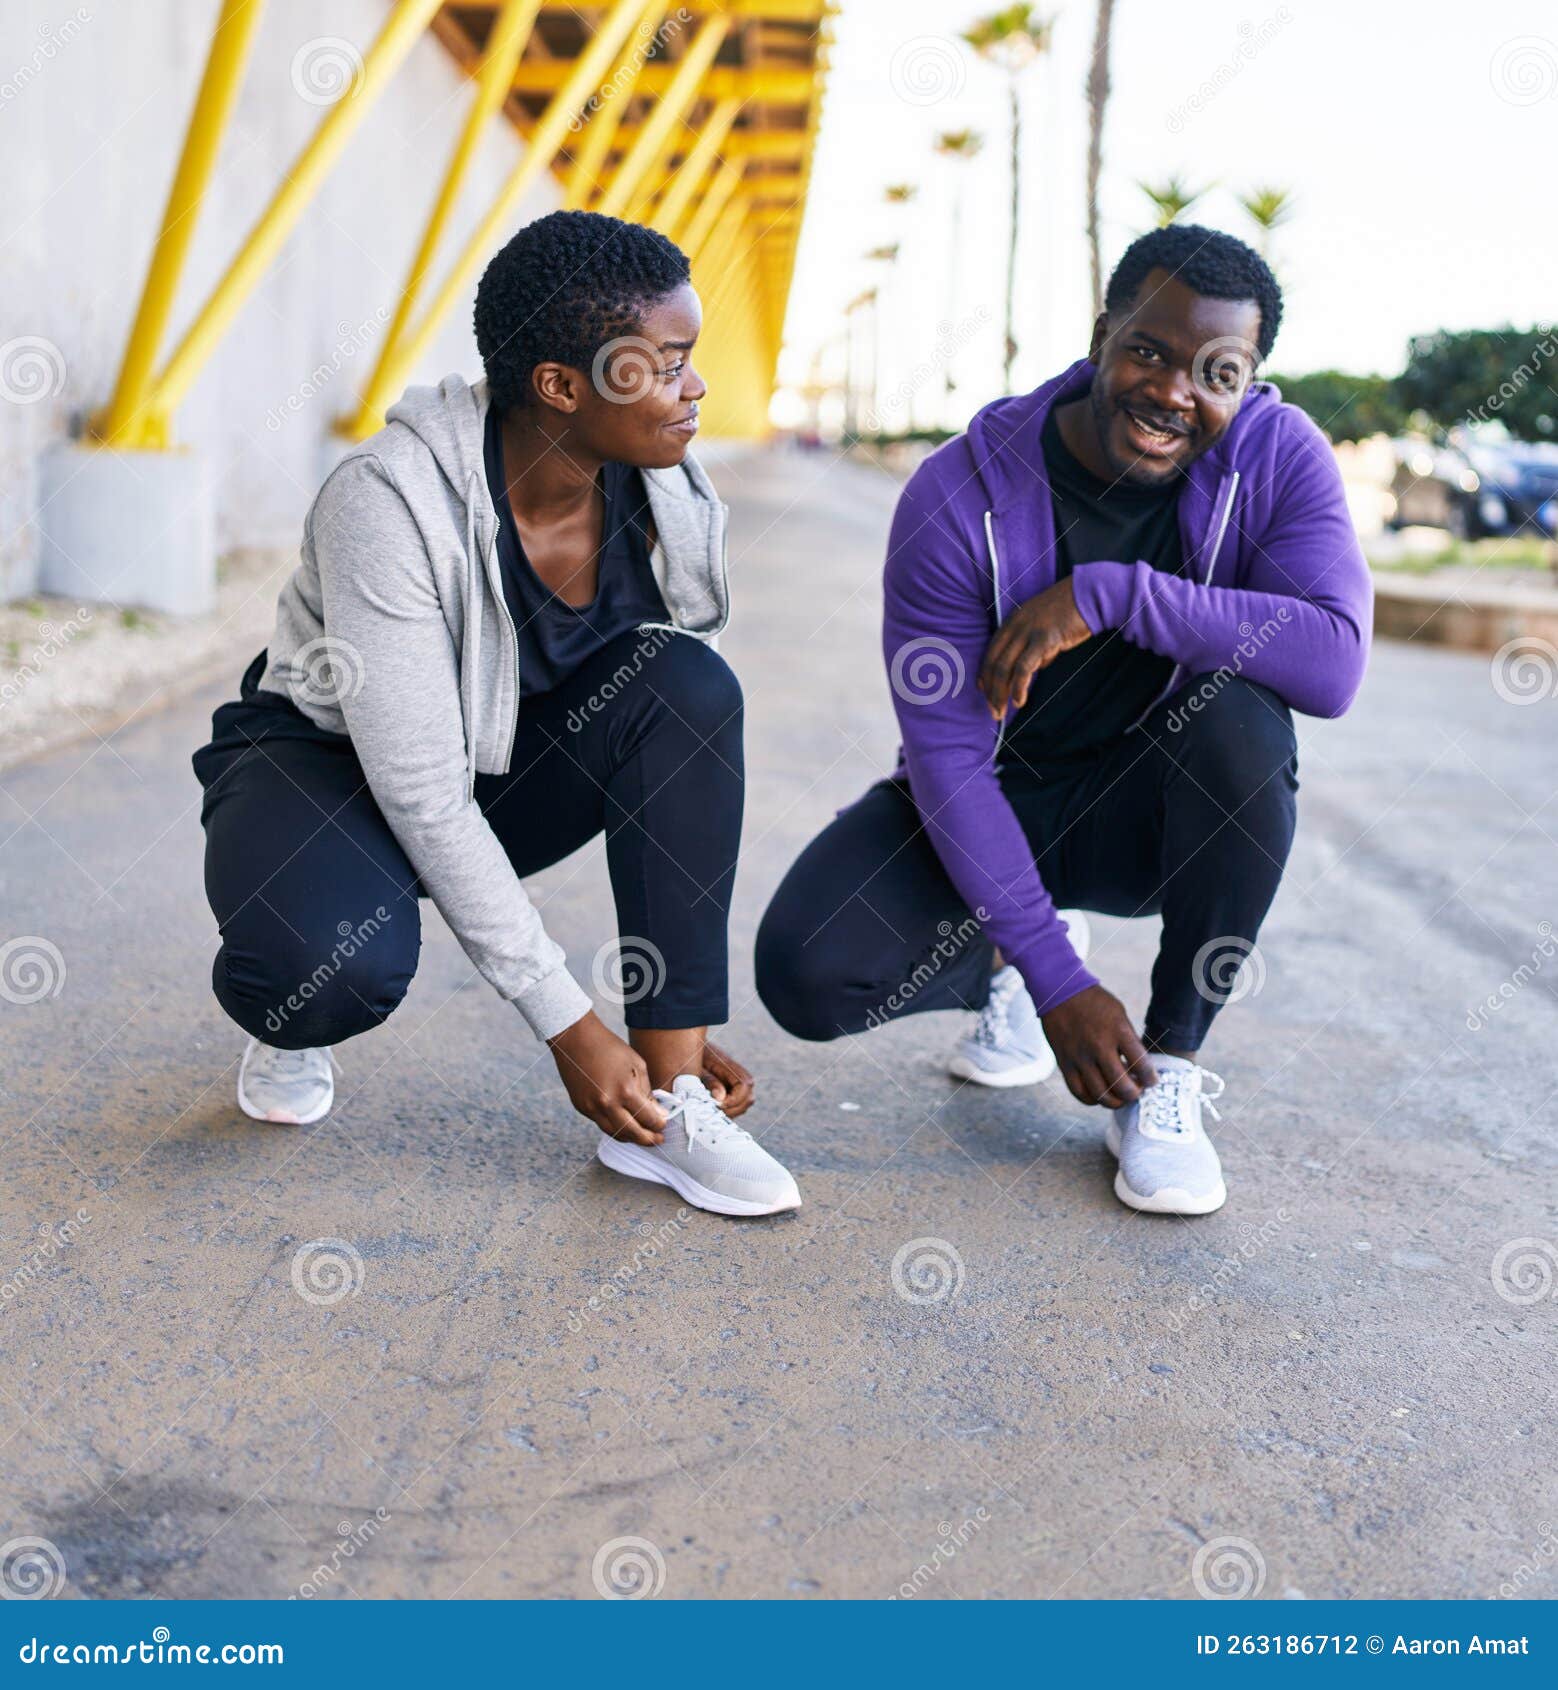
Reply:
x=1167, y=1163
x=293, y=1088
x=706, y=1158
x=1006, y=1045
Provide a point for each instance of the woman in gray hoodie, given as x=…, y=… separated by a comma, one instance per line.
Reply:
x=498, y=644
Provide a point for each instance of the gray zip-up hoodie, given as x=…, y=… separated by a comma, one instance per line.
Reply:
x=394, y=629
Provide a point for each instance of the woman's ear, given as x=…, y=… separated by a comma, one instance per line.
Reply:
x=558, y=386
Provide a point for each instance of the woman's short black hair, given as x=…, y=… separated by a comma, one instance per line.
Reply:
x=1208, y=262
x=562, y=288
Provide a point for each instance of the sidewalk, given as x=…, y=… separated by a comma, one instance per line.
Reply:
x=435, y=1329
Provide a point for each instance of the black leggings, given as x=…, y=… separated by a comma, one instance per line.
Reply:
x=317, y=902
x=1190, y=815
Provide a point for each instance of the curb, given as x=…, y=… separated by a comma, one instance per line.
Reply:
x=1472, y=617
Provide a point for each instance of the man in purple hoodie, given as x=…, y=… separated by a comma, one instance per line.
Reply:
x=1102, y=603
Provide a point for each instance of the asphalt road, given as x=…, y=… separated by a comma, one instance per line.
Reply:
x=1341, y=1385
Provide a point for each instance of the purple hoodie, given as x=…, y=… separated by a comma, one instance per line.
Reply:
x=1274, y=588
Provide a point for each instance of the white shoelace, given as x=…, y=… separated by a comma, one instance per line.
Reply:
x=1168, y=1109
x=703, y=1118
x=994, y=1022
x=290, y=1064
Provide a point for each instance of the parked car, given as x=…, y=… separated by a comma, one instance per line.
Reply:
x=1476, y=488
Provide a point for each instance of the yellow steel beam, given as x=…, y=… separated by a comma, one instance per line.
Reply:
x=700, y=225
x=584, y=75
x=510, y=31
x=782, y=85
x=768, y=11
x=124, y=422
x=714, y=134
x=400, y=32
x=758, y=146
x=600, y=131
x=664, y=121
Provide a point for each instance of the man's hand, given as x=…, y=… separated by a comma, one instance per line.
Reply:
x=729, y=1084
x=1034, y=635
x=607, y=1081
x=1100, y=1057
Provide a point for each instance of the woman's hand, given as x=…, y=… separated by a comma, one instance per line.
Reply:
x=607, y=1081
x=729, y=1084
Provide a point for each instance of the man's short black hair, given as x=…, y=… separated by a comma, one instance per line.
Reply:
x=1208, y=262
x=562, y=288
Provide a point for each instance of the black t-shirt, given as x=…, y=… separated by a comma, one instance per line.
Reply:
x=556, y=637
x=1094, y=692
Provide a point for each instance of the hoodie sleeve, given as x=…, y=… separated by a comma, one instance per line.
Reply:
x=1301, y=622
x=937, y=621
x=402, y=709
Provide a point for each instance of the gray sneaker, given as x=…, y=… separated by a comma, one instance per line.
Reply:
x=706, y=1158
x=1006, y=1045
x=1167, y=1163
x=293, y=1088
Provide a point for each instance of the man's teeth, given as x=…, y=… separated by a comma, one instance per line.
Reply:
x=1151, y=432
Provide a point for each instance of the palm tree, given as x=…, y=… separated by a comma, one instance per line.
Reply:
x=1268, y=209
x=1171, y=198
x=1097, y=100
x=1012, y=39
x=954, y=144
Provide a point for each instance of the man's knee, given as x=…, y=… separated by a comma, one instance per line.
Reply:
x=299, y=993
x=797, y=983
x=1235, y=738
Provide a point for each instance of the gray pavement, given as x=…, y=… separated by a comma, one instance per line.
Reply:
x=1348, y=1371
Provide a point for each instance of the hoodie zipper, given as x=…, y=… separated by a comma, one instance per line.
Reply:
x=1213, y=550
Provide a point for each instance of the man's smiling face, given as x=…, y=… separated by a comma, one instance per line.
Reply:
x=1173, y=368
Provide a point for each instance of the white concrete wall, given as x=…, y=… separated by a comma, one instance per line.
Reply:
x=93, y=102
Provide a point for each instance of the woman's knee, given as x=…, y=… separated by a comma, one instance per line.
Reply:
x=298, y=993
x=698, y=687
